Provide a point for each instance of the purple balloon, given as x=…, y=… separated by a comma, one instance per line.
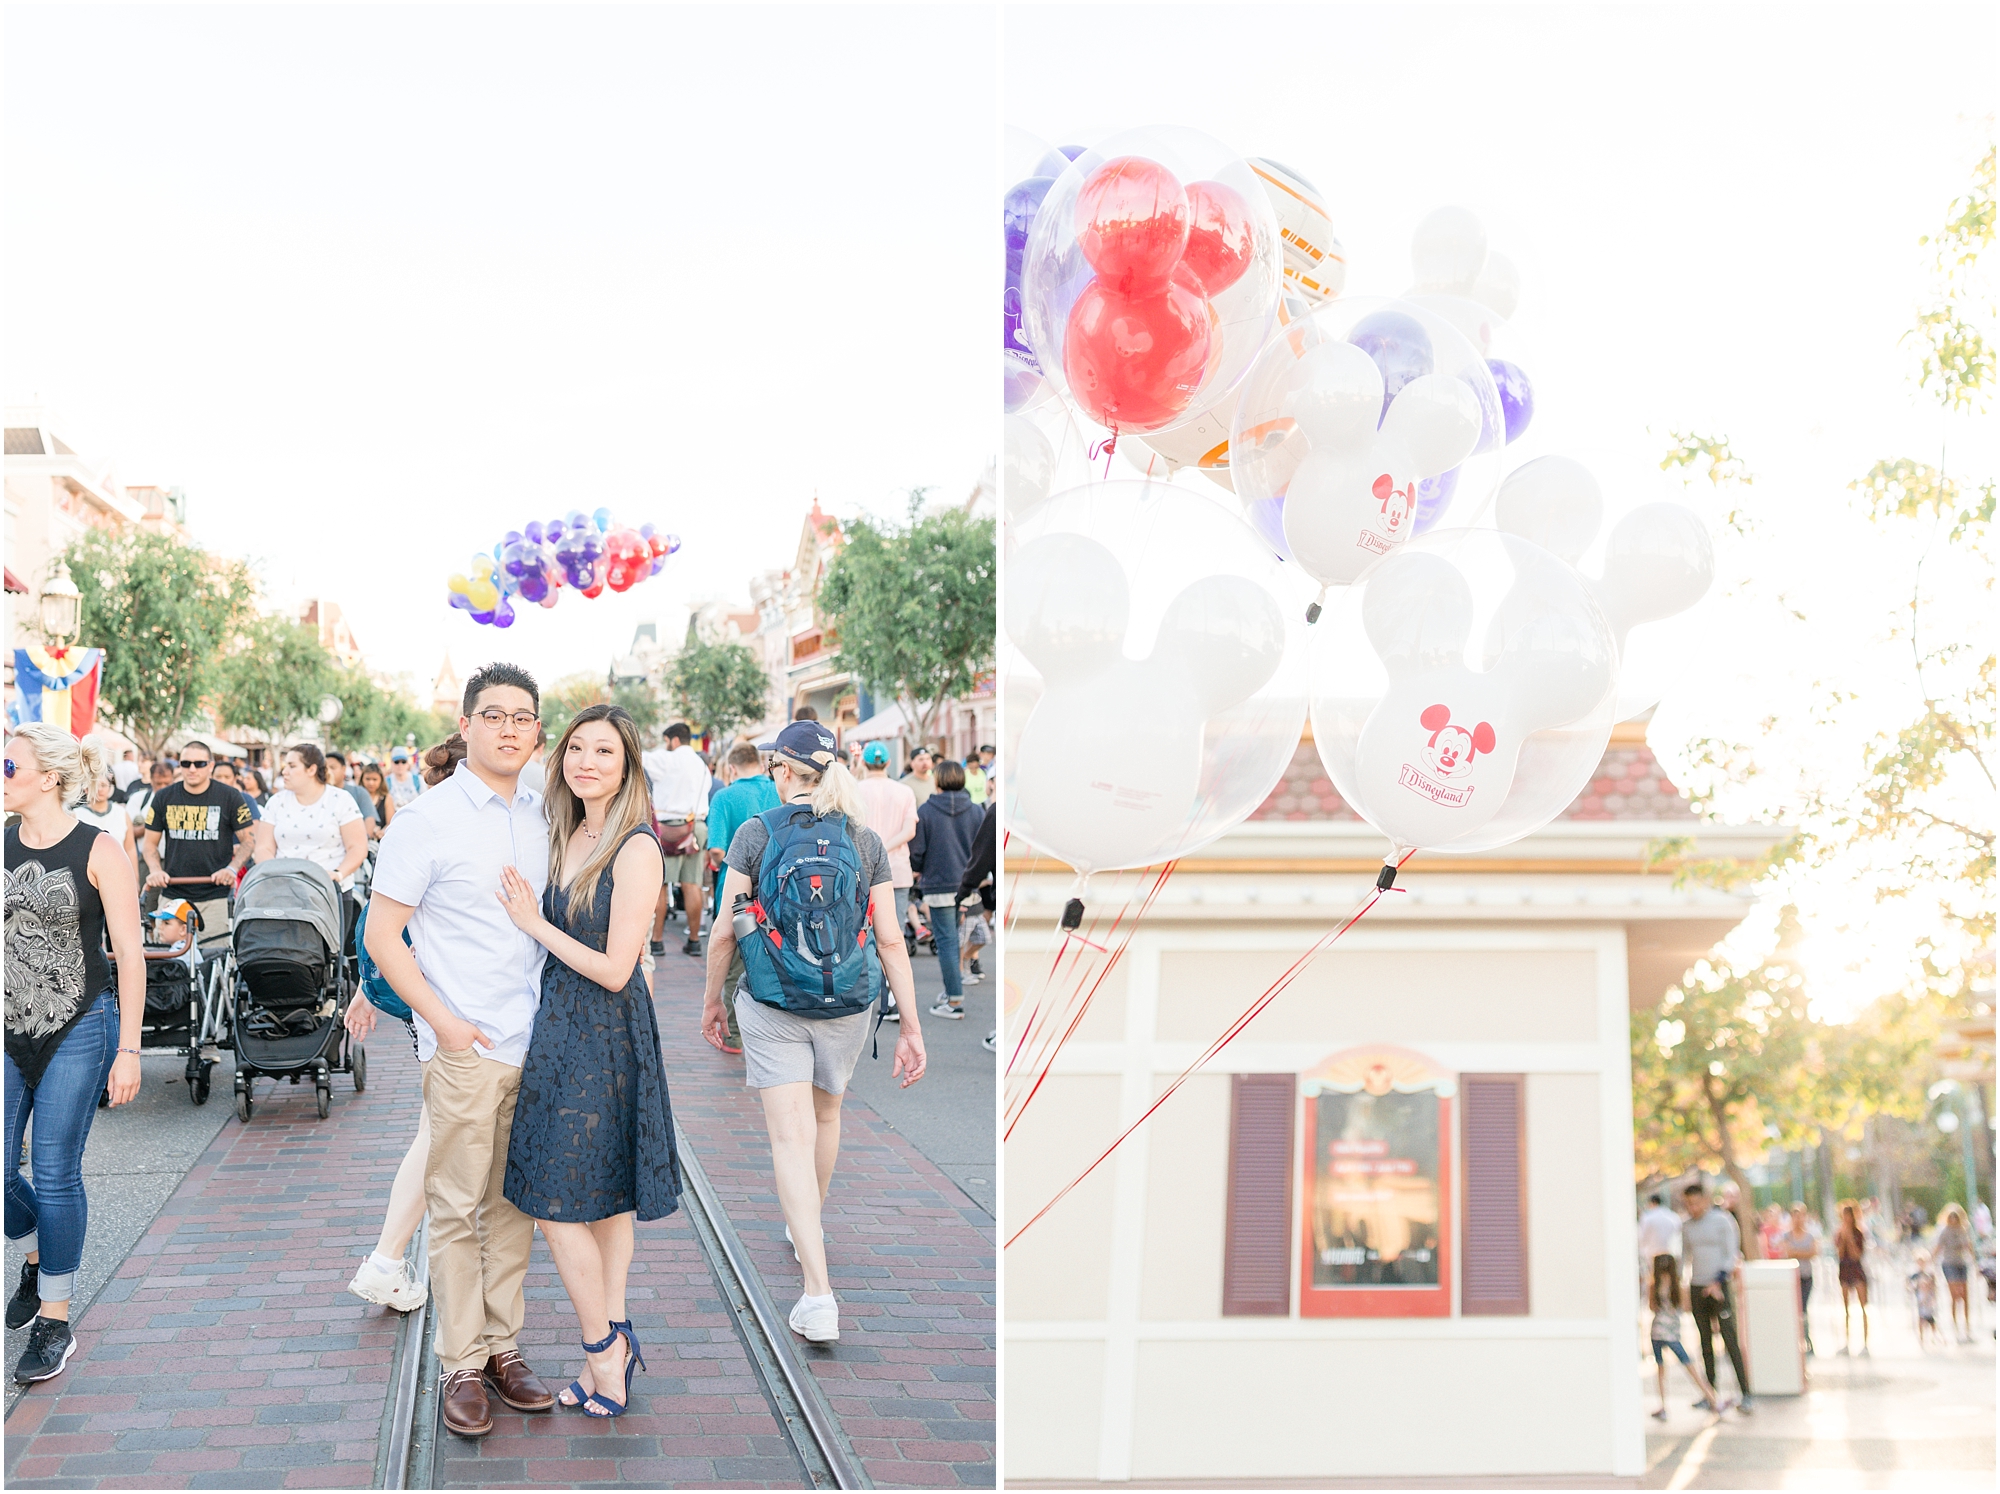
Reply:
x=503, y=615
x=1056, y=162
x=1017, y=218
x=1434, y=495
x=1517, y=395
x=533, y=533
x=534, y=585
x=1267, y=517
x=645, y=531
x=459, y=599
x=482, y=617
x=1400, y=347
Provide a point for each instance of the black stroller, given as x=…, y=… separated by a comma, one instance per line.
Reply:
x=292, y=983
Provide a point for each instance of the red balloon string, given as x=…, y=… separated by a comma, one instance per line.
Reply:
x=1055, y=1049
x=1105, y=448
x=1046, y=996
x=1229, y=1035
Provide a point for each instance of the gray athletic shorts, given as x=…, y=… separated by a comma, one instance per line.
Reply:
x=780, y=1047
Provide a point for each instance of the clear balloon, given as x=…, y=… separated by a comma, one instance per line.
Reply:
x=1154, y=682
x=1315, y=266
x=1343, y=418
x=1462, y=690
x=1150, y=278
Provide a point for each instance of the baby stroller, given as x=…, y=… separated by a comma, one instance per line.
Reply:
x=183, y=1008
x=292, y=983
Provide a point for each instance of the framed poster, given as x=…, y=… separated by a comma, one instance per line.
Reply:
x=1376, y=1224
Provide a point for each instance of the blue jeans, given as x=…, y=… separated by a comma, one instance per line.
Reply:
x=52, y=1213
x=944, y=936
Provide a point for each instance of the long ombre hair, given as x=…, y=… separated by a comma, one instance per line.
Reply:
x=630, y=807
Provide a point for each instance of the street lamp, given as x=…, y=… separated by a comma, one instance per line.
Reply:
x=61, y=606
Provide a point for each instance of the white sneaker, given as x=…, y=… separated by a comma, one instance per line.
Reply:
x=972, y=977
x=795, y=1244
x=818, y=1321
x=394, y=1289
x=946, y=1010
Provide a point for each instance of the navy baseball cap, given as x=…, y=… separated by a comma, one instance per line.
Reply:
x=807, y=743
x=875, y=754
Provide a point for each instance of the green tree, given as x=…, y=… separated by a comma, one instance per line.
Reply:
x=164, y=612
x=273, y=678
x=914, y=607
x=718, y=686
x=375, y=715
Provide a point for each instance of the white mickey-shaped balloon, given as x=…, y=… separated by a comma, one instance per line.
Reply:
x=1353, y=497
x=1448, y=251
x=1658, y=561
x=1437, y=757
x=1099, y=797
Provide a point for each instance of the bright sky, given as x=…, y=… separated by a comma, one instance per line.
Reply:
x=377, y=284
x=1715, y=210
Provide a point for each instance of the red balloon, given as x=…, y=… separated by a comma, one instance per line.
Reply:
x=1132, y=224
x=1135, y=362
x=1218, y=247
x=619, y=578
x=596, y=587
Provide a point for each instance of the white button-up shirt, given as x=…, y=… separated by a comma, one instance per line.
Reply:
x=442, y=855
x=679, y=780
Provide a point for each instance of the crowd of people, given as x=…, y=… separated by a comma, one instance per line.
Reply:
x=1691, y=1258
x=508, y=898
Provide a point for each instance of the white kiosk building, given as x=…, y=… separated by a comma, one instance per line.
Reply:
x=1402, y=1198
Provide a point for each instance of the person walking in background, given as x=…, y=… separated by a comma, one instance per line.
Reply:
x=125, y=772
x=69, y=1039
x=798, y=1060
x=111, y=818
x=198, y=828
x=892, y=814
x=748, y=794
x=975, y=780
x=473, y=981
x=376, y=787
x=313, y=821
x=593, y=1139
x=1659, y=1234
x=1799, y=1241
x=1664, y=1297
x=404, y=784
x=160, y=777
x=947, y=825
x=250, y=784
x=1714, y=1243
x=920, y=780
x=1953, y=1250
x=980, y=879
x=1923, y=1290
x=337, y=777
x=385, y=1277
x=679, y=780
x=1848, y=1246
x=230, y=776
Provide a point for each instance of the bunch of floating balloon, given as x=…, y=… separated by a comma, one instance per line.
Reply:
x=531, y=565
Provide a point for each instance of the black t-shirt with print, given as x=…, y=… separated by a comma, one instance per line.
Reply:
x=198, y=831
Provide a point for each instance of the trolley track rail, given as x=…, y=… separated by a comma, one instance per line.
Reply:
x=406, y=1456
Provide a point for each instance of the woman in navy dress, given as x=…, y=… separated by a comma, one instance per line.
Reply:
x=593, y=1138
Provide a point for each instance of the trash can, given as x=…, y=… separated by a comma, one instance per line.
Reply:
x=1773, y=1336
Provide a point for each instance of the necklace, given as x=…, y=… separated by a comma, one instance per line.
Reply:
x=587, y=832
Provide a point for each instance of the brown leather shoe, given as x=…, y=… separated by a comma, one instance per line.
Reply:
x=515, y=1383
x=466, y=1408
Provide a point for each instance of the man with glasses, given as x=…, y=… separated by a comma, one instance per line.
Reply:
x=197, y=828
x=474, y=982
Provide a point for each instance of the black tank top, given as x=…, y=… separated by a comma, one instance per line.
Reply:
x=55, y=962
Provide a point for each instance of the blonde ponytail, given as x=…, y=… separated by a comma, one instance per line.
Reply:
x=835, y=792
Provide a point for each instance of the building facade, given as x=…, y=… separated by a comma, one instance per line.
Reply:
x=1404, y=1189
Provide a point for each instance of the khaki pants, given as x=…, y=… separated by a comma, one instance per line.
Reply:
x=479, y=1242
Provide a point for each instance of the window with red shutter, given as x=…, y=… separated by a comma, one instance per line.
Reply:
x=1493, y=1279
x=1257, y=1245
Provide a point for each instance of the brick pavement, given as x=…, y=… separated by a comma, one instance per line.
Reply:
x=224, y=1352
x=911, y=1257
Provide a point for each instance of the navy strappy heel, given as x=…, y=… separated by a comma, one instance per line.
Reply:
x=607, y=1409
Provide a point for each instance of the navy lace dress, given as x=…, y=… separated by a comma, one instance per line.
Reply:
x=593, y=1133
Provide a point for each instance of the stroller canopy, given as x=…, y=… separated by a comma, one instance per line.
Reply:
x=287, y=891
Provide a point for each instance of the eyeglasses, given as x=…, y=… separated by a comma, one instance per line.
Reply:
x=496, y=718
